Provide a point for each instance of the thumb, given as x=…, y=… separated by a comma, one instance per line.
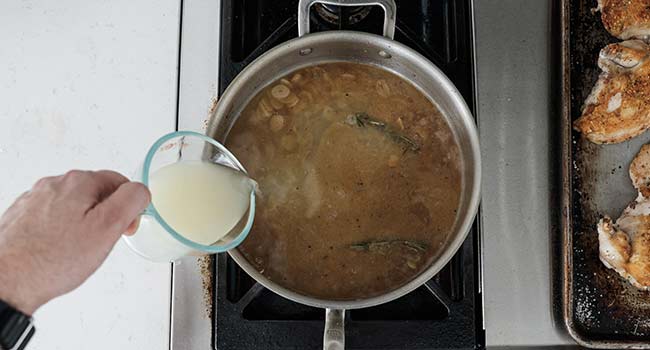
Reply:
x=122, y=207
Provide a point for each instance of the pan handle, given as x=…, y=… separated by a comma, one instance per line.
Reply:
x=388, y=5
x=334, y=335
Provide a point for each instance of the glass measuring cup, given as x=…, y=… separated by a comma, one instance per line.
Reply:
x=155, y=239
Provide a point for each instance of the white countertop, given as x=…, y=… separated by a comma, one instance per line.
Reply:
x=90, y=85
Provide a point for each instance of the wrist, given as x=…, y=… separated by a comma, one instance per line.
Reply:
x=16, y=291
x=18, y=301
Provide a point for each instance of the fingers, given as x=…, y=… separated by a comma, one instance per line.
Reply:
x=106, y=182
x=110, y=177
x=45, y=182
x=108, y=198
x=87, y=187
x=97, y=183
x=121, y=208
x=133, y=227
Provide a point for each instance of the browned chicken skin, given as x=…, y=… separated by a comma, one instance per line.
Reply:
x=626, y=19
x=618, y=107
x=625, y=245
x=640, y=171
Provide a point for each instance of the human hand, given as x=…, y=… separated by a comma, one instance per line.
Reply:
x=57, y=234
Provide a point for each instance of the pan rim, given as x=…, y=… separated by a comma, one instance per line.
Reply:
x=473, y=179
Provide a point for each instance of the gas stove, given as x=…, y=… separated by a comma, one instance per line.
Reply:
x=444, y=313
x=215, y=305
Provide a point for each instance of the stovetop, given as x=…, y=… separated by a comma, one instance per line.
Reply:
x=441, y=30
x=446, y=312
x=517, y=118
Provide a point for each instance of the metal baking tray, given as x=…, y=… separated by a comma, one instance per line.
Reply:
x=600, y=309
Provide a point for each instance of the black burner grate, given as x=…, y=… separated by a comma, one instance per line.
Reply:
x=444, y=313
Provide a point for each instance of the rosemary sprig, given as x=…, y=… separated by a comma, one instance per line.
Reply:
x=363, y=119
x=381, y=246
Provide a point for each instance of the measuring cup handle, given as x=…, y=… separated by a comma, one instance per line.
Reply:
x=388, y=6
x=148, y=211
x=334, y=335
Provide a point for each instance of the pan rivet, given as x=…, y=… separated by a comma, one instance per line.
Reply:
x=305, y=52
x=384, y=54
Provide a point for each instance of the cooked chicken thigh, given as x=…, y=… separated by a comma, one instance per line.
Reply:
x=640, y=171
x=618, y=107
x=626, y=19
x=625, y=246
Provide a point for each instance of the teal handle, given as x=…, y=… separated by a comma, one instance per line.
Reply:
x=148, y=211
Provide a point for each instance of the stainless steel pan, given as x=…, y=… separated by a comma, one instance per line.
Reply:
x=384, y=52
